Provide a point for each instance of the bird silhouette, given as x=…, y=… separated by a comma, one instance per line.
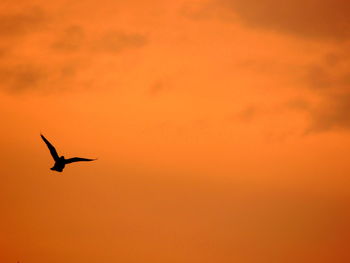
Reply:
x=60, y=161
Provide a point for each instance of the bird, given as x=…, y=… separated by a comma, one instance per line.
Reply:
x=61, y=161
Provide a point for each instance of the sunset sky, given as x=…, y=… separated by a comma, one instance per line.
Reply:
x=221, y=128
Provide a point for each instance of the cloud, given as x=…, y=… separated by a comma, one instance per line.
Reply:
x=70, y=40
x=318, y=77
x=298, y=104
x=156, y=88
x=116, y=41
x=333, y=113
x=198, y=10
x=20, y=73
x=326, y=81
x=248, y=114
x=307, y=18
x=22, y=77
x=17, y=72
x=46, y=49
x=20, y=23
x=25, y=76
x=75, y=37
x=329, y=82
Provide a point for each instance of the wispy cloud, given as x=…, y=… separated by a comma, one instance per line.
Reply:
x=333, y=113
x=117, y=41
x=70, y=40
x=19, y=23
x=22, y=77
x=248, y=114
x=39, y=53
x=306, y=18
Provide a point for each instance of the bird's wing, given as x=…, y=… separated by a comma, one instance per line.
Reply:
x=51, y=148
x=78, y=159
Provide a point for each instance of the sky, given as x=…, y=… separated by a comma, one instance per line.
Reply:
x=221, y=129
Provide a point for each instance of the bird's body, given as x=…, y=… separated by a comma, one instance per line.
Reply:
x=59, y=165
x=60, y=161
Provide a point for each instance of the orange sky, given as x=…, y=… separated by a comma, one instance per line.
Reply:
x=221, y=128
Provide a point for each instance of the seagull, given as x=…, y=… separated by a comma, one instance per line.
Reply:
x=60, y=162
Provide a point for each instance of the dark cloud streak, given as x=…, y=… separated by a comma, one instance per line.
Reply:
x=117, y=41
x=329, y=80
x=41, y=53
x=306, y=18
x=318, y=20
x=20, y=23
x=71, y=40
x=333, y=113
x=22, y=77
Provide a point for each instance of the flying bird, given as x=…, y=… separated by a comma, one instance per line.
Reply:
x=60, y=161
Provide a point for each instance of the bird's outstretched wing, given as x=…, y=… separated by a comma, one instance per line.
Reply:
x=51, y=148
x=78, y=159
